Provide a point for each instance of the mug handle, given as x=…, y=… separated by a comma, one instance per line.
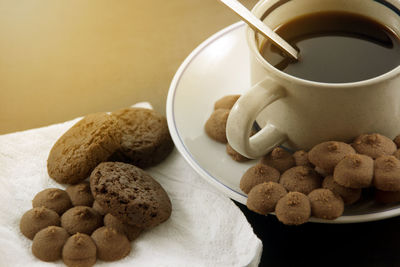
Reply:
x=244, y=113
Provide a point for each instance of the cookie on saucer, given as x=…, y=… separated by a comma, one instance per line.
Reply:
x=354, y=171
x=326, y=155
x=293, y=209
x=349, y=195
x=263, y=197
x=387, y=173
x=215, y=126
x=258, y=174
x=226, y=102
x=374, y=145
x=325, y=204
x=300, y=179
x=279, y=158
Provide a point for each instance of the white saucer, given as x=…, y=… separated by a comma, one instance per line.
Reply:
x=219, y=67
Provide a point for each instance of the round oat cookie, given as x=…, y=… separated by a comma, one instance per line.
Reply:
x=79, y=150
x=130, y=194
x=145, y=137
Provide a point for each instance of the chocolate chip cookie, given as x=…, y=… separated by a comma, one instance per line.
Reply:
x=130, y=194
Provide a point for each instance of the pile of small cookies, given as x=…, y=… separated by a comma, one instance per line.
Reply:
x=98, y=219
x=319, y=182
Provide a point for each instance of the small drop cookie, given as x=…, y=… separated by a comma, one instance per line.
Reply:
x=79, y=150
x=145, y=137
x=258, y=174
x=293, y=209
x=37, y=219
x=354, y=171
x=226, y=102
x=397, y=154
x=81, y=219
x=54, y=199
x=262, y=198
x=131, y=231
x=387, y=173
x=326, y=155
x=215, y=126
x=130, y=194
x=301, y=179
x=396, y=140
x=279, y=158
x=301, y=158
x=374, y=145
x=48, y=243
x=96, y=206
x=236, y=156
x=325, y=204
x=79, y=251
x=111, y=244
x=349, y=195
x=80, y=194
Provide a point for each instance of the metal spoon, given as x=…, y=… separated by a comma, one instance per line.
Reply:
x=260, y=27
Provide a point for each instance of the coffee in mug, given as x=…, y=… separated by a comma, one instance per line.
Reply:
x=335, y=47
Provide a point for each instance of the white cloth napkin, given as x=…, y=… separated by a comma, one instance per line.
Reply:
x=205, y=228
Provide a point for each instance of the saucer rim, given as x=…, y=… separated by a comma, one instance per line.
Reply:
x=233, y=194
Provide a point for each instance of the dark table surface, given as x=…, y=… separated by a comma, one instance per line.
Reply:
x=315, y=244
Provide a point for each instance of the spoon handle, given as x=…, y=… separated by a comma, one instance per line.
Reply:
x=260, y=27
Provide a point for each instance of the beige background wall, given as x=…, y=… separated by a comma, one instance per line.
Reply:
x=60, y=59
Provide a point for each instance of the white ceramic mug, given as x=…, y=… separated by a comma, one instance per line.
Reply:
x=302, y=113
